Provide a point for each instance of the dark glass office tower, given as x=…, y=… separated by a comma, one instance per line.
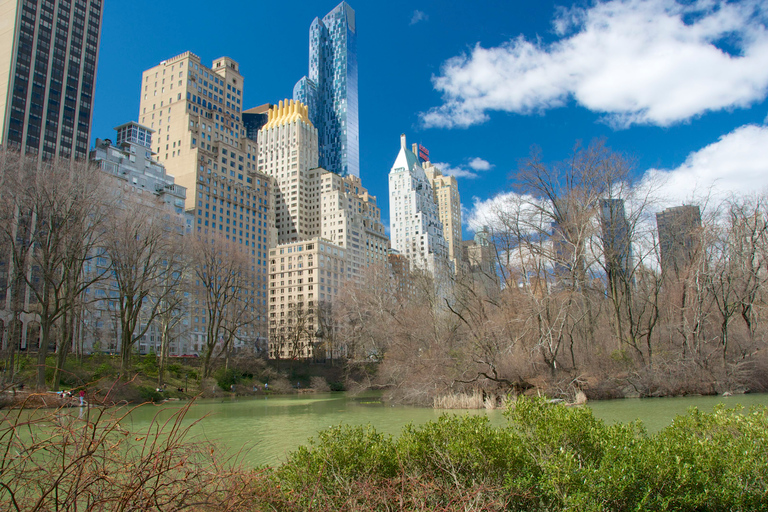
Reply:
x=48, y=55
x=330, y=90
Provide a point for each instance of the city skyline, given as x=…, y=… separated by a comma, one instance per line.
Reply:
x=409, y=79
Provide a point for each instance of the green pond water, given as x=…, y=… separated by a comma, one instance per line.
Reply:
x=267, y=429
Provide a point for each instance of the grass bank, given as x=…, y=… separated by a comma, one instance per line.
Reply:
x=99, y=376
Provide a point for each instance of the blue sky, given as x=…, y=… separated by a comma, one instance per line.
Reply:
x=680, y=87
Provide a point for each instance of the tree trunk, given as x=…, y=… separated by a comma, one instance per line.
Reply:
x=163, y=354
x=42, y=350
x=63, y=349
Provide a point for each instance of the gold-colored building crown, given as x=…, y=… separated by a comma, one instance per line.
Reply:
x=287, y=111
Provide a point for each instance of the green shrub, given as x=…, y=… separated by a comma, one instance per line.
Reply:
x=459, y=449
x=547, y=458
x=226, y=378
x=104, y=370
x=176, y=370
x=339, y=457
x=149, y=394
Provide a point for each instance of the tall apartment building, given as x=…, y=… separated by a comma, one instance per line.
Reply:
x=415, y=227
x=318, y=213
x=305, y=277
x=400, y=275
x=445, y=190
x=616, y=240
x=287, y=151
x=679, y=237
x=352, y=220
x=330, y=89
x=140, y=179
x=48, y=55
x=479, y=254
x=196, y=112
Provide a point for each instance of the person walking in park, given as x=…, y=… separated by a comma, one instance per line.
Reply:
x=82, y=397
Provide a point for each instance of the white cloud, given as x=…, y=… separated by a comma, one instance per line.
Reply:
x=479, y=164
x=506, y=208
x=654, y=62
x=458, y=172
x=735, y=164
x=418, y=16
x=475, y=165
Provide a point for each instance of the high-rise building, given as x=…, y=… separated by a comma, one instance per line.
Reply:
x=480, y=257
x=352, y=220
x=401, y=276
x=617, y=244
x=445, y=190
x=199, y=137
x=679, y=237
x=330, y=89
x=328, y=228
x=305, y=276
x=415, y=227
x=130, y=159
x=48, y=55
x=287, y=151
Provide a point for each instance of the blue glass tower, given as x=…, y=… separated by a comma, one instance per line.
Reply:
x=330, y=90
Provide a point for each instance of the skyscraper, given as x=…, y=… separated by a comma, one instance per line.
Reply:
x=415, y=226
x=328, y=229
x=679, y=237
x=446, y=193
x=196, y=114
x=254, y=119
x=48, y=55
x=287, y=149
x=617, y=243
x=330, y=90
x=479, y=255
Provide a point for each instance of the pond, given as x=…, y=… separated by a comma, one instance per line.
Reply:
x=267, y=429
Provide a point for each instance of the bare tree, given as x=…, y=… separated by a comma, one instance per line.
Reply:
x=56, y=214
x=224, y=283
x=174, y=296
x=143, y=250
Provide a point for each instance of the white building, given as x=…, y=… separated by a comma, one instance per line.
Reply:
x=415, y=228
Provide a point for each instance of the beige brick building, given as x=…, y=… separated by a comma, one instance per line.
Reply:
x=196, y=113
x=446, y=192
x=305, y=277
x=352, y=220
x=328, y=228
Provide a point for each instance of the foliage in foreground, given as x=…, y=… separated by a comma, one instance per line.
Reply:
x=84, y=459
x=547, y=458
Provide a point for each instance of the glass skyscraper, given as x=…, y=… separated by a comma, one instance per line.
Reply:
x=330, y=90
